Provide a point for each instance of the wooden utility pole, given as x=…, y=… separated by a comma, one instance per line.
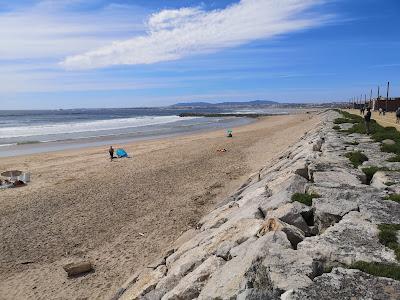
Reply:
x=378, y=93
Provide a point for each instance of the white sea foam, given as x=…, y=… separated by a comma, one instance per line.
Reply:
x=90, y=126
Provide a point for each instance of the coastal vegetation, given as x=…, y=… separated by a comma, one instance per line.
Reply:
x=344, y=120
x=370, y=171
x=395, y=158
x=304, y=198
x=356, y=158
x=388, y=237
x=379, y=133
x=393, y=197
x=378, y=269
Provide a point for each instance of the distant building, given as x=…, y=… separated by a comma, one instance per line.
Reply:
x=389, y=105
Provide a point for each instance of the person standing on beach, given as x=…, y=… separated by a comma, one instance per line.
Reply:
x=111, y=151
x=398, y=115
x=367, y=119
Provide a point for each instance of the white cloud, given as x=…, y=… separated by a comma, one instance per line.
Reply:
x=174, y=34
x=52, y=29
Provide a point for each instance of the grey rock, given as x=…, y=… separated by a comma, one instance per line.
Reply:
x=155, y=294
x=230, y=280
x=345, y=284
x=293, y=234
x=328, y=211
x=379, y=211
x=339, y=177
x=157, y=263
x=294, y=214
x=190, y=286
x=182, y=266
x=352, y=239
x=257, y=294
x=242, y=248
x=144, y=284
x=346, y=126
x=288, y=268
x=283, y=189
x=388, y=142
x=379, y=179
x=224, y=249
x=318, y=144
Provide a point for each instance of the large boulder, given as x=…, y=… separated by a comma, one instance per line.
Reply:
x=345, y=284
x=145, y=282
x=288, y=268
x=328, y=211
x=282, y=190
x=230, y=280
x=295, y=213
x=179, y=268
x=379, y=211
x=317, y=145
x=352, y=239
x=339, y=177
x=379, y=179
x=293, y=234
x=190, y=286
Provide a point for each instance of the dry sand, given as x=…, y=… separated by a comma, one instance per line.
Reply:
x=81, y=205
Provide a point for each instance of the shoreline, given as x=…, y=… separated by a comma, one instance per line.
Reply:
x=93, y=209
x=38, y=147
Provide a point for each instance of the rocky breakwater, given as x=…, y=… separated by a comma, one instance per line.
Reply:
x=302, y=228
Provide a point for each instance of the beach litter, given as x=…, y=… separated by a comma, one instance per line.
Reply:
x=13, y=174
x=5, y=184
x=222, y=150
x=15, y=178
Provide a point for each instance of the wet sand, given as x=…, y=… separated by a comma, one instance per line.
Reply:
x=122, y=215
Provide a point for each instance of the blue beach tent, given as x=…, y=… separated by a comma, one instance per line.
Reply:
x=121, y=153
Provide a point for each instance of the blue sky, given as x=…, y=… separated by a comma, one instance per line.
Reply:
x=97, y=53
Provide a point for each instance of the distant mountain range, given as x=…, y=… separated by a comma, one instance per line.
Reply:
x=225, y=104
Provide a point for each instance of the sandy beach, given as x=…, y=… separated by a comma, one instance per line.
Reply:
x=121, y=215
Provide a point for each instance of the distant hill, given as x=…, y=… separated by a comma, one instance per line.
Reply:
x=193, y=104
x=224, y=104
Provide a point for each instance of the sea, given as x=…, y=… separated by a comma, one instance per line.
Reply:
x=34, y=131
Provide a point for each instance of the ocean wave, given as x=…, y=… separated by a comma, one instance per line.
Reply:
x=8, y=145
x=89, y=126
